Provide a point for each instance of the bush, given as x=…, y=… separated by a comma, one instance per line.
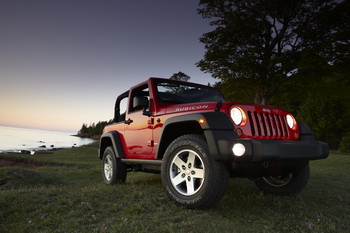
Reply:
x=326, y=117
x=344, y=145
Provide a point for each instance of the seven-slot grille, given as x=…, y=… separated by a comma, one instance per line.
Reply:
x=268, y=125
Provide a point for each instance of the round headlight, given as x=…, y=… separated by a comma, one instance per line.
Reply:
x=238, y=116
x=291, y=121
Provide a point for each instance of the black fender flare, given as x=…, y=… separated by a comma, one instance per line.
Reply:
x=217, y=125
x=111, y=139
x=305, y=132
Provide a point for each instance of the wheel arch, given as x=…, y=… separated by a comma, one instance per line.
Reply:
x=173, y=130
x=189, y=124
x=111, y=139
x=305, y=132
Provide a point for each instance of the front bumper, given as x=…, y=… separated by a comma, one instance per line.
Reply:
x=259, y=150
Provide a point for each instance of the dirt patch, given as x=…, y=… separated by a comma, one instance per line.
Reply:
x=12, y=162
x=29, y=164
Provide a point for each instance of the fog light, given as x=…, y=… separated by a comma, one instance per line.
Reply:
x=238, y=149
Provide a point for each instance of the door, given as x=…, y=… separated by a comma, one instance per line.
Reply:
x=138, y=127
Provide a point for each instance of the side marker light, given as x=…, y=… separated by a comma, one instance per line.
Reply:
x=202, y=121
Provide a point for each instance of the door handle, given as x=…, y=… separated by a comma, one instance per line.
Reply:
x=129, y=121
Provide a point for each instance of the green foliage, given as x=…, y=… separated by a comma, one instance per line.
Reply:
x=74, y=199
x=321, y=101
x=180, y=76
x=93, y=129
x=345, y=143
x=290, y=54
x=257, y=46
x=322, y=115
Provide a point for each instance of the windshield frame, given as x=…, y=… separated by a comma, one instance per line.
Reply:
x=178, y=92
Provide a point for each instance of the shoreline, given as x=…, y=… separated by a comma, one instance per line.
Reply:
x=36, y=143
x=32, y=152
x=41, y=150
x=93, y=136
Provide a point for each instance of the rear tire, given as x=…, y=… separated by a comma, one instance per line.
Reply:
x=285, y=185
x=113, y=170
x=190, y=177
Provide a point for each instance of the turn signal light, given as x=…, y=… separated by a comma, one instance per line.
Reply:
x=239, y=132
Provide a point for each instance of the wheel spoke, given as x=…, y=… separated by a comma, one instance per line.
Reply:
x=107, y=174
x=179, y=163
x=178, y=179
x=278, y=181
x=190, y=186
x=108, y=168
x=198, y=173
x=191, y=159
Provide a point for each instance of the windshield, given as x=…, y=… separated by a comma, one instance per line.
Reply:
x=181, y=93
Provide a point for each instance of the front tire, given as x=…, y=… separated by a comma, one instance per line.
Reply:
x=190, y=177
x=113, y=170
x=285, y=185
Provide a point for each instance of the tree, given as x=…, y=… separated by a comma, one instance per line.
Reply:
x=180, y=76
x=259, y=45
x=93, y=130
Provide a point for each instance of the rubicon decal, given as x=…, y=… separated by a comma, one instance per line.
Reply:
x=191, y=108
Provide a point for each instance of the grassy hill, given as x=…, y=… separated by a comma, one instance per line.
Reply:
x=62, y=191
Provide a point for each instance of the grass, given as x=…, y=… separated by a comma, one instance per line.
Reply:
x=68, y=195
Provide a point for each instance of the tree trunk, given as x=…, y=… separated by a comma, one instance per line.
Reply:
x=262, y=98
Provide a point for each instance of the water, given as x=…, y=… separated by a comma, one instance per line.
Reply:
x=17, y=139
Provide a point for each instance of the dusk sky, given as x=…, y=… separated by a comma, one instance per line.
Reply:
x=64, y=62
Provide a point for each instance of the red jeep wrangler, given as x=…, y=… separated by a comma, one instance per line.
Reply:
x=196, y=140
